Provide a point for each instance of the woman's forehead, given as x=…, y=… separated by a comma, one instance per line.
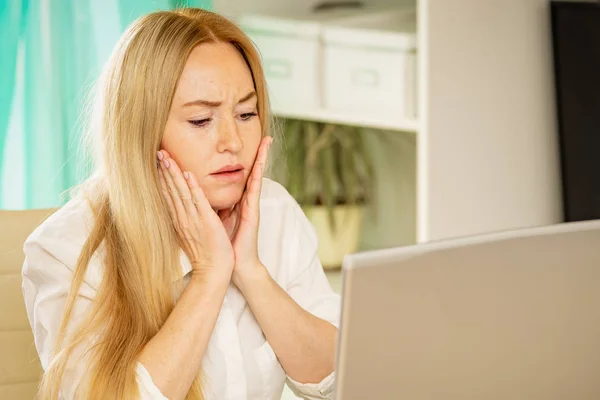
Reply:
x=216, y=71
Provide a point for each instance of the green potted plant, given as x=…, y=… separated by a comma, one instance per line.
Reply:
x=328, y=170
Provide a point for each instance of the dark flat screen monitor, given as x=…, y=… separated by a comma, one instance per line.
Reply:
x=576, y=45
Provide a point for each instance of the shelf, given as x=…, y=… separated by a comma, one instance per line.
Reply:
x=366, y=119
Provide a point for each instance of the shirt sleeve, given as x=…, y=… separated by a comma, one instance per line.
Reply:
x=47, y=275
x=312, y=291
x=148, y=390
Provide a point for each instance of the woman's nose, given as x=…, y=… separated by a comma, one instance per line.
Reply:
x=229, y=138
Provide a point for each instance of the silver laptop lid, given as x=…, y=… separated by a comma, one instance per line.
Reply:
x=511, y=315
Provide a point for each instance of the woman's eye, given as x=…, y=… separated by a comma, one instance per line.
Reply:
x=200, y=122
x=247, y=116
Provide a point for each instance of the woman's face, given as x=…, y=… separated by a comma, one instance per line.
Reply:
x=213, y=123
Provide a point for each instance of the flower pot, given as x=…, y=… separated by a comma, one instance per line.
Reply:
x=335, y=244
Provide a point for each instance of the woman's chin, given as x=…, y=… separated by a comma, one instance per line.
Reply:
x=225, y=198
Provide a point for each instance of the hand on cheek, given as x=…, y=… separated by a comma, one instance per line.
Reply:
x=201, y=234
x=242, y=221
x=194, y=219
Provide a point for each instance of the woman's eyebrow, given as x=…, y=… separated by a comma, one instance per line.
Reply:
x=213, y=104
x=247, y=97
x=206, y=103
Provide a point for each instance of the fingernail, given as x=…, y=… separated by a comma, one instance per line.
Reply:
x=166, y=163
x=159, y=155
x=186, y=175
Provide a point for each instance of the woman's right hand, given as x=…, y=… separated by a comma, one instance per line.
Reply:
x=202, y=235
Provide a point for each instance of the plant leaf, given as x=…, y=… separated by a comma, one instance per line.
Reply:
x=328, y=164
x=327, y=156
x=312, y=183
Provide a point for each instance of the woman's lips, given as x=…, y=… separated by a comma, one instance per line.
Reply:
x=229, y=176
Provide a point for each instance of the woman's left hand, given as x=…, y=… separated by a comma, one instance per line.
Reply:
x=242, y=221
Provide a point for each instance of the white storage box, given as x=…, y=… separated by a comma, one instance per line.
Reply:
x=291, y=52
x=370, y=64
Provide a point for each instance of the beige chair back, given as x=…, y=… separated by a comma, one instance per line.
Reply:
x=20, y=369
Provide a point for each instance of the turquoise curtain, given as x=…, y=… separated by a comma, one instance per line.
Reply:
x=11, y=26
x=50, y=54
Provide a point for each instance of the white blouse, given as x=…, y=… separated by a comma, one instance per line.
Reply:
x=238, y=363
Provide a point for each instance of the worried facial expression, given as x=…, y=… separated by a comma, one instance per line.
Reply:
x=213, y=129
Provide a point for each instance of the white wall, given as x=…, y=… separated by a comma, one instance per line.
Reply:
x=488, y=158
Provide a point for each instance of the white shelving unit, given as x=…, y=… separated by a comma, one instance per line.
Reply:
x=482, y=155
x=386, y=122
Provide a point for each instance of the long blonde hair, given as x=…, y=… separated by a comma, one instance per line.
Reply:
x=132, y=225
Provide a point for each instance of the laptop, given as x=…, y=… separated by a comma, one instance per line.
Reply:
x=509, y=315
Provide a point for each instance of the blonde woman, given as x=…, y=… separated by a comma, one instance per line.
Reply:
x=198, y=279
